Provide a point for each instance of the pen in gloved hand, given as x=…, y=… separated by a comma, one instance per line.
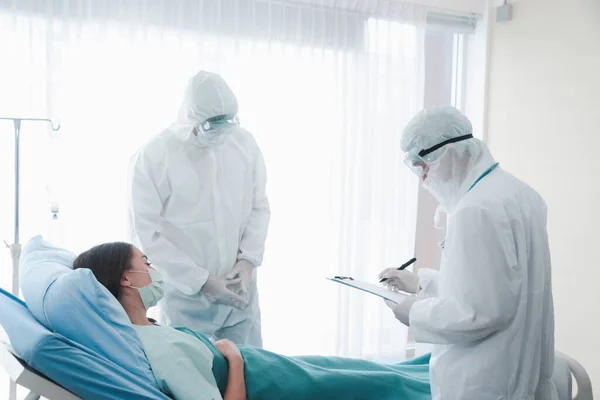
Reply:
x=400, y=268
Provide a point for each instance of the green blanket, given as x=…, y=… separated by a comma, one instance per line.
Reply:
x=273, y=376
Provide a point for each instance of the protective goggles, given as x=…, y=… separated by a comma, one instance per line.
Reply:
x=419, y=161
x=219, y=122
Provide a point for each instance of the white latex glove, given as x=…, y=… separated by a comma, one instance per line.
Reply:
x=402, y=309
x=403, y=280
x=216, y=289
x=243, y=270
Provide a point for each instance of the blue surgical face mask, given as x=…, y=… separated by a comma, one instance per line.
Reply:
x=154, y=292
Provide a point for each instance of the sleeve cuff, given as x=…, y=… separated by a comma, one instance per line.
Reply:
x=416, y=318
x=252, y=262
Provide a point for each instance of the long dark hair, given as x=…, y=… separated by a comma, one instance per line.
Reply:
x=108, y=262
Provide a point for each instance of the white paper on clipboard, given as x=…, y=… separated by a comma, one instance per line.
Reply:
x=372, y=288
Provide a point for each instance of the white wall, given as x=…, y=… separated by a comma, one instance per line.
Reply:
x=544, y=126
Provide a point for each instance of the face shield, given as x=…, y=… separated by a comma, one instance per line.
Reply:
x=421, y=161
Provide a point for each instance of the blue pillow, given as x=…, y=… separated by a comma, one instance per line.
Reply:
x=73, y=366
x=75, y=305
x=41, y=264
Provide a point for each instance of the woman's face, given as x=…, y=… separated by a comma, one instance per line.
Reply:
x=138, y=263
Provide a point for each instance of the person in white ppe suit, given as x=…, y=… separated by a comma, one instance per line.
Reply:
x=200, y=211
x=489, y=310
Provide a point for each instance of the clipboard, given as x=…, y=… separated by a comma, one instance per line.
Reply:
x=372, y=288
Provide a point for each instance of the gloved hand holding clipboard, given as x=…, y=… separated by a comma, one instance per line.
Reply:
x=375, y=289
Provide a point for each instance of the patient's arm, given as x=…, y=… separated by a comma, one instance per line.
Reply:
x=236, y=386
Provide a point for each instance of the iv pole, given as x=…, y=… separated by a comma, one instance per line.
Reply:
x=15, y=248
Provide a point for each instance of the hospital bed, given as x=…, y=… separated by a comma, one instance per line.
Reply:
x=565, y=369
x=62, y=348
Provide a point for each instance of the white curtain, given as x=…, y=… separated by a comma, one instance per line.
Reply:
x=325, y=92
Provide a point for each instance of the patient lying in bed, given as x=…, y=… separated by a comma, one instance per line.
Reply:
x=187, y=365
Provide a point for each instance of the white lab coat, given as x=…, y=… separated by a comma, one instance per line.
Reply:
x=489, y=310
x=197, y=210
